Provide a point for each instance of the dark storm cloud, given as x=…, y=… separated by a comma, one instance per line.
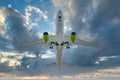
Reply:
x=80, y=8
x=104, y=23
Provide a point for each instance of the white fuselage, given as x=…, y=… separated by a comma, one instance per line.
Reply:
x=59, y=27
x=59, y=38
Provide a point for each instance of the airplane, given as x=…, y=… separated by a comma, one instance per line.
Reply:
x=59, y=40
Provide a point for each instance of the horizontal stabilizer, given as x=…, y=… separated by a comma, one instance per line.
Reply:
x=68, y=65
x=64, y=64
x=52, y=64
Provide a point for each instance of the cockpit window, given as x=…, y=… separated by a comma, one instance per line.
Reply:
x=59, y=16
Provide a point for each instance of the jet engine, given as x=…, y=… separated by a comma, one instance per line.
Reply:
x=73, y=37
x=45, y=37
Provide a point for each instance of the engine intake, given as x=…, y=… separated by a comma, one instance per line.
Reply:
x=45, y=37
x=73, y=33
x=73, y=37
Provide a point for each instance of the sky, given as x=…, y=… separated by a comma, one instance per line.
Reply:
x=23, y=21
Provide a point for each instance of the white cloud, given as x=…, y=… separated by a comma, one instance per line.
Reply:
x=39, y=34
x=33, y=15
x=85, y=34
x=14, y=61
x=115, y=21
x=9, y=5
x=49, y=54
x=67, y=28
x=2, y=21
x=37, y=10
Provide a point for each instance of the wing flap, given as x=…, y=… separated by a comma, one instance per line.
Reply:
x=33, y=43
x=86, y=43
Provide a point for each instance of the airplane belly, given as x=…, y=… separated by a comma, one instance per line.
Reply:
x=59, y=39
x=59, y=56
x=59, y=36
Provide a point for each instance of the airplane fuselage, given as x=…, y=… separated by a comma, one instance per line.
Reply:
x=59, y=38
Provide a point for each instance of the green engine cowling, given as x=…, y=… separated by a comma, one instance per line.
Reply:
x=73, y=37
x=45, y=37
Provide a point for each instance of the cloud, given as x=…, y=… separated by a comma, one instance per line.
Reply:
x=10, y=6
x=5, y=40
x=105, y=23
x=2, y=23
x=33, y=15
x=2, y=28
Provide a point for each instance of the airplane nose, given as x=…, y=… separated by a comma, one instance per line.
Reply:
x=59, y=12
x=59, y=16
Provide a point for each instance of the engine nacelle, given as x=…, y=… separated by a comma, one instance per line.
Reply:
x=73, y=37
x=45, y=37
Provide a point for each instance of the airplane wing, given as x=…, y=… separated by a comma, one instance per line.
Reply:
x=33, y=43
x=39, y=42
x=85, y=43
x=77, y=41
